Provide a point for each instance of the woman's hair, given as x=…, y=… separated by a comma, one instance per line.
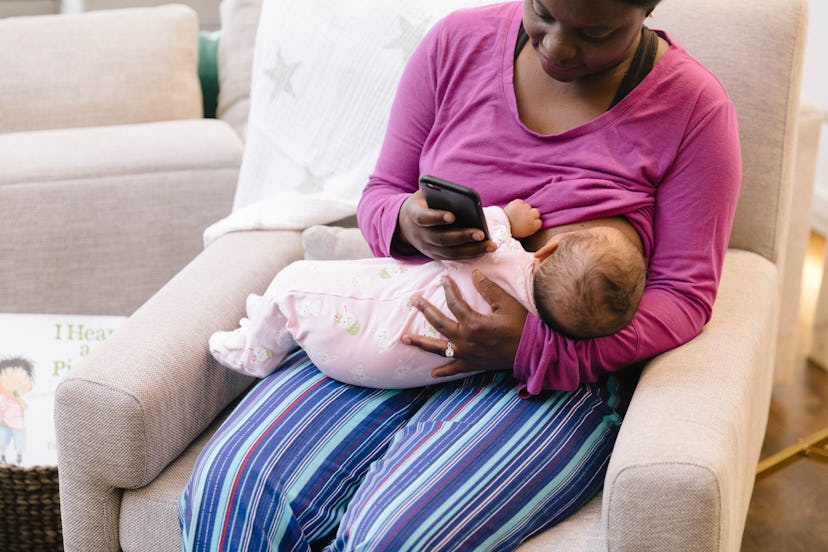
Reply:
x=648, y=5
x=591, y=285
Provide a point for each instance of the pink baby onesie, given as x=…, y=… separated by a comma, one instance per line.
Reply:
x=350, y=316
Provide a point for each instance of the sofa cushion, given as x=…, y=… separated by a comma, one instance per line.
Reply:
x=59, y=85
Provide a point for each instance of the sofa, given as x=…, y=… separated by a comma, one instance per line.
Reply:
x=128, y=195
x=109, y=171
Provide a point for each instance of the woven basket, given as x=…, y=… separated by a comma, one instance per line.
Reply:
x=30, y=509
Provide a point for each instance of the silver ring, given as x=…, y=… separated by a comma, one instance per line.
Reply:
x=449, y=349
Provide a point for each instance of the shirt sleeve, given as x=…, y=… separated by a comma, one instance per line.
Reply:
x=694, y=210
x=398, y=165
x=500, y=230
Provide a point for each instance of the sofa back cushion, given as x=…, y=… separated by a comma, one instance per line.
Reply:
x=758, y=60
x=324, y=75
x=83, y=76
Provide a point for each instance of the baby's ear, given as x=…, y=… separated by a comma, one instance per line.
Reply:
x=547, y=249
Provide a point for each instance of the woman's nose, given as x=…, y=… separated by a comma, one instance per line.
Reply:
x=558, y=46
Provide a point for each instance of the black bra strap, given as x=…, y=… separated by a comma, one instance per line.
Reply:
x=642, y=63
x=522, y=39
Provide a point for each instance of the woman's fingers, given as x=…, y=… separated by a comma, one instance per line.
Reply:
x=440, y=346
x=456, y=304
x=436, y=345
x=495, y=296
x=454, y=368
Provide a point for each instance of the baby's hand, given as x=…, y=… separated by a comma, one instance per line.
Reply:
x=524, y=219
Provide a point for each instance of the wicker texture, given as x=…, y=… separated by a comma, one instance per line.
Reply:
x=30, y=506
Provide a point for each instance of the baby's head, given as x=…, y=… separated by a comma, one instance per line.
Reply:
x=590, y=283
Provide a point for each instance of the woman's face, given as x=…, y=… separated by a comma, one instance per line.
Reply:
x=575, y=39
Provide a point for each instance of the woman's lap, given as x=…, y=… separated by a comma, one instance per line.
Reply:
x=462, y=465
x=288, y=459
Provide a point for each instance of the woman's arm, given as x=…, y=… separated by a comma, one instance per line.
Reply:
x=695, y=205
x=395, y=177
x=392, y=213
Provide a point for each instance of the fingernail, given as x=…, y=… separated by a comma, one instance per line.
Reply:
x=477, y=236
x=491, y=248
x=406, y=340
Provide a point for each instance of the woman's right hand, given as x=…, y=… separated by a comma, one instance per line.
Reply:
x=429, y=231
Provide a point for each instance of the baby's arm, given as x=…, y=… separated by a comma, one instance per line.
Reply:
x=524, y=219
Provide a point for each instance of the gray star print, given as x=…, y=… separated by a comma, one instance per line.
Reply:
x=409, y=38
x=312, y=183
x=280, y=74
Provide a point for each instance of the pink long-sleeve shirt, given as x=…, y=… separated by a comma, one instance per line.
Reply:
x=667, y=157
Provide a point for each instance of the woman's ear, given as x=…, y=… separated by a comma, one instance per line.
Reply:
x=548, y=248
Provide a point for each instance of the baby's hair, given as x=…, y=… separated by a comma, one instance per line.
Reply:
x=591, y=285
x=18, y=362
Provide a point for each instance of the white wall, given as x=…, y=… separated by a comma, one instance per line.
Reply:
x=815, y=86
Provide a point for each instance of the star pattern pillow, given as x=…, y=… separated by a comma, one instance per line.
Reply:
x=324, y=76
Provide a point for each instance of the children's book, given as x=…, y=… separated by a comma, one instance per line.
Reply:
x=36, y=352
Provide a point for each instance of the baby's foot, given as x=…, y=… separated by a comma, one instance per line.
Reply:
x=231, y=349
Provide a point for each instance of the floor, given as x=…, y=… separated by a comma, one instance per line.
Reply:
x=788, y=508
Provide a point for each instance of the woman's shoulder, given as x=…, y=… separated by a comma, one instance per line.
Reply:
x=688, y=75
x=477, y=20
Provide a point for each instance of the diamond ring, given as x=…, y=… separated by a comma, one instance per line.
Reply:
x=449, y=349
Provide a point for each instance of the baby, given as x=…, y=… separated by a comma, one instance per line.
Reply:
x=349, y=316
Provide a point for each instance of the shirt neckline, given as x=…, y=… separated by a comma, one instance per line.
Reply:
x=606, y=118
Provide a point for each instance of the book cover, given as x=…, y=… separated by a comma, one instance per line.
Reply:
x=36, y=352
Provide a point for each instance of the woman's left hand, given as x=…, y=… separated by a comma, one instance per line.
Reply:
x=474, y=341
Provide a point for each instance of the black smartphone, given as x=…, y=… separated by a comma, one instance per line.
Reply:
x=463, y=201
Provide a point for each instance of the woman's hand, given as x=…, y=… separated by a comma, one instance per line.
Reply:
x=429, y=231
x=478, y=341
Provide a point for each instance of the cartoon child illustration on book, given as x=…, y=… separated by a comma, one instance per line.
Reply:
x=15, y=381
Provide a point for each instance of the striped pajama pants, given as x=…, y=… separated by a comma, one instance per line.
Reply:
x=305, y=462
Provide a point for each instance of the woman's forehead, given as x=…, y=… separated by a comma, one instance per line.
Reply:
x=589, y=13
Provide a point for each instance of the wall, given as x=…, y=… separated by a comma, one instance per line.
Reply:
x=815, y=86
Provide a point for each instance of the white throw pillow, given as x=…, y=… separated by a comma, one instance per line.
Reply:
x=324, y=76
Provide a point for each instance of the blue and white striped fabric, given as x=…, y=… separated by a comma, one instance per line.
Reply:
x=305, y=460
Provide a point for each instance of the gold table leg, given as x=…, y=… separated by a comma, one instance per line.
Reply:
x=815, y=446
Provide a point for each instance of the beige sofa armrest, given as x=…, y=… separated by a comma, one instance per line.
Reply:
x=147, y=392
x=681, y=473
x=99, y=68
x=96, y=220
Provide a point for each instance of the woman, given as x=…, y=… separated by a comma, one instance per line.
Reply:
x=584, y=115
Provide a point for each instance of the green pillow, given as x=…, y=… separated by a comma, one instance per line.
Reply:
x=208, y=70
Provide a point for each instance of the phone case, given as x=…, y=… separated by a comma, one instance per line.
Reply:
x=463, y=201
